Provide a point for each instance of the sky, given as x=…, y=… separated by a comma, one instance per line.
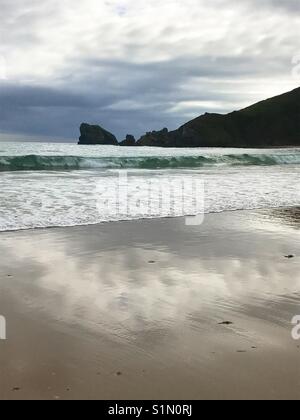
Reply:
x=135, y=66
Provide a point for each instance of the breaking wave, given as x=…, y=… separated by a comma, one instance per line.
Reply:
x=58, y=163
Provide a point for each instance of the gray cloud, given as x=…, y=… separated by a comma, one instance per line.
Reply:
x=290, y=5
x=134, y=67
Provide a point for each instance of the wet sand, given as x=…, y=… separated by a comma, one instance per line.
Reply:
x=153, y=309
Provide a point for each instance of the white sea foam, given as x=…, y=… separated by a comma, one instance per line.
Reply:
x=63, y=197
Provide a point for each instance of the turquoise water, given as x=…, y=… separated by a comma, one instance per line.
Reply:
x=39, y=156
x=50, y=184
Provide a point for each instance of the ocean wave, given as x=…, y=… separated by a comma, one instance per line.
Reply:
x=57, y=163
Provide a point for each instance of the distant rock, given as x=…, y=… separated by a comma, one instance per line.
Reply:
x=129, y=141
x=155, y=138
x=94, y=134
x=274, y=122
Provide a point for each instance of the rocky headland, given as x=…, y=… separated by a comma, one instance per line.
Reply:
x=274, y=122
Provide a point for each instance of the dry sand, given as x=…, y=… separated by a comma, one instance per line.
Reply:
x=133, y=310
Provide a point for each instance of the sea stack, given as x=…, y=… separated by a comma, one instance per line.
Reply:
x=94, y=134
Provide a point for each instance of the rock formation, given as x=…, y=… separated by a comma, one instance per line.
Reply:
x=94, y=134
x=271, y=123
x=154, y=138
x=129, y=141
x=274, y=122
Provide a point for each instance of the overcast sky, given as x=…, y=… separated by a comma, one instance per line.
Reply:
x=133, y=66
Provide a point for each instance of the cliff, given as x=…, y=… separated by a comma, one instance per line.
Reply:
x=271, y=123
x=274, y=122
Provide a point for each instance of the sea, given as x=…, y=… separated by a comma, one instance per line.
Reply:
x=45, y=185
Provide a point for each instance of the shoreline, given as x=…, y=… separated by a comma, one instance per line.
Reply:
x=157, y=219
x=136, y=310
